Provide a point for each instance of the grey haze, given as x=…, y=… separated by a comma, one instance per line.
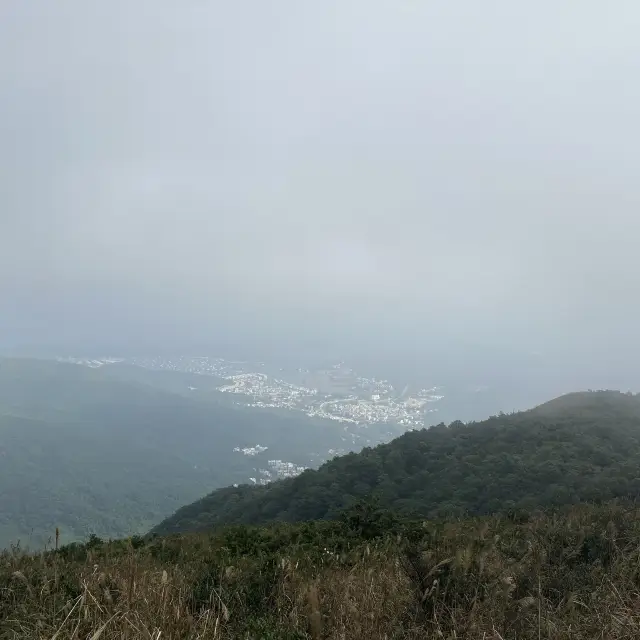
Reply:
x=450, y=183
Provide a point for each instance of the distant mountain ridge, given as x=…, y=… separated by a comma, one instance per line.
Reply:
x=578, y=447
x=113, y=450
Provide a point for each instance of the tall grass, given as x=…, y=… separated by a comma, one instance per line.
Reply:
x=575, y=575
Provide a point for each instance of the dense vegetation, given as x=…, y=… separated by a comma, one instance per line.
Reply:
x=579, y=447
x=112, y=451
x=572, y=575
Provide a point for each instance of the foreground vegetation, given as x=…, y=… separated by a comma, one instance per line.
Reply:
x=572, y=575
x=581, y=447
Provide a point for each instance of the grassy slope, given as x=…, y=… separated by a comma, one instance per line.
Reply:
x=568, y=576
x=578, y=447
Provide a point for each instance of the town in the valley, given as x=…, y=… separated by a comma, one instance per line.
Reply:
x=335, y=393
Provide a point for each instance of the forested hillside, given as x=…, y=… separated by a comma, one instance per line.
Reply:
x=112, y=451
x=580, y=447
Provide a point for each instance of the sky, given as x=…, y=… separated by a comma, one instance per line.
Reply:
x=396, y=177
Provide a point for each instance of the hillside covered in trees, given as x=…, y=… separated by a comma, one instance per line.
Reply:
x=579, y=447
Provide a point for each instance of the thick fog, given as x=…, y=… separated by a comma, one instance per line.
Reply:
x=456, y=180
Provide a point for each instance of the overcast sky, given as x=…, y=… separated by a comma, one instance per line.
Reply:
x=421, y=173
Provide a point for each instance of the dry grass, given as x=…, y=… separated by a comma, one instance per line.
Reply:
x=571, y=577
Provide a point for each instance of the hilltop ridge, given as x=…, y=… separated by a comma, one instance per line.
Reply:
x=581, y=403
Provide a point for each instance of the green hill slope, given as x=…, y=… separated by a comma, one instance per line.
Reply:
x=607, y=405
x=114, y=450
x=579, y=447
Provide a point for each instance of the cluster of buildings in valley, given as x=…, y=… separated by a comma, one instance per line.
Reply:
x=202, y=365
x=250, y=451
x=262, y=391
x=408, y=413
x=277, y=469
x=336, y=393
x=92, y=363
x=370, y=401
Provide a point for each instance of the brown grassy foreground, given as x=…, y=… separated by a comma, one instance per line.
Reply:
x=573, y=576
